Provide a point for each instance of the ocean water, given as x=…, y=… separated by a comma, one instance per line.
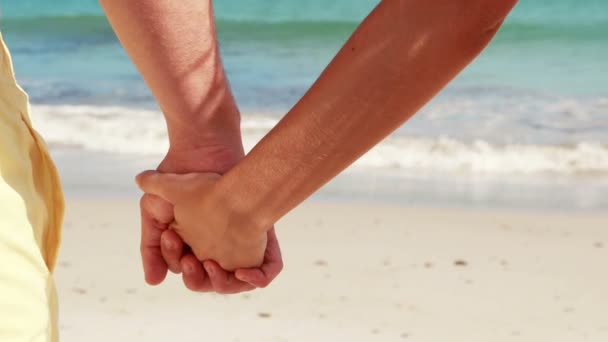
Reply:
x=534, y=104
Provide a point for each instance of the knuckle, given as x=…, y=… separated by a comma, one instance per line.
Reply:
x=190, y=286
x=194, y=286
x=143, y=201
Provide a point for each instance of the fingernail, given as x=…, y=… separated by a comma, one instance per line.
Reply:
x=168, y=244
x=209, y=269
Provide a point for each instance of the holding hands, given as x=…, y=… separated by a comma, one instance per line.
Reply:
x=397, y=60
x=235, y=256
x=204, y=221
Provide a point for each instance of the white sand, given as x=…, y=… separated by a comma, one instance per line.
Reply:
x=353, y=273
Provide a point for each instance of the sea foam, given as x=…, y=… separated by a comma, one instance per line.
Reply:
x=143, y=132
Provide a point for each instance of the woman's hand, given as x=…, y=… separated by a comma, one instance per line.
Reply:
x=215, y=233
x=204, y=220
x=162, y=248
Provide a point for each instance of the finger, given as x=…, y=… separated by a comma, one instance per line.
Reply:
x=172, y=249
x=155, y=267
x=224, y=282
x=164, y=185
x=194, y=276
x=270, y=269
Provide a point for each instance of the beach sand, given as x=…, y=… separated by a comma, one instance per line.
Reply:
x=353, y=272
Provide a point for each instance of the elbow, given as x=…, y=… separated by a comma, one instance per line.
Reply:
x=478, y=21
x=487, y=16
x=472, y=16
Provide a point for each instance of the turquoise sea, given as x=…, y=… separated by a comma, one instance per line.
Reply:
x=534, y=104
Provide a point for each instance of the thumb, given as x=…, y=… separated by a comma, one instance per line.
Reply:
x=164, y=185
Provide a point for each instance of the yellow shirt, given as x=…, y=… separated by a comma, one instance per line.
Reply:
x=31, y=214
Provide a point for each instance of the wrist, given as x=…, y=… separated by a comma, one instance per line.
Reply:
x=211, y=124
x=216, y=157
x=247, y=222
x=210, y=142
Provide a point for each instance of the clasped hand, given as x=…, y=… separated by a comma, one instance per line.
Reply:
x=214, y=248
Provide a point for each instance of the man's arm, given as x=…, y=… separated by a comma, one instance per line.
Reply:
x=402, y=55
x=173, y=44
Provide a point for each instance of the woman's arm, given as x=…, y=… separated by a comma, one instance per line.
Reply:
x=173, y=44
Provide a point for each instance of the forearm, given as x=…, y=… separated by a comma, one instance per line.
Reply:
x=398, y=59
x=173, y=44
